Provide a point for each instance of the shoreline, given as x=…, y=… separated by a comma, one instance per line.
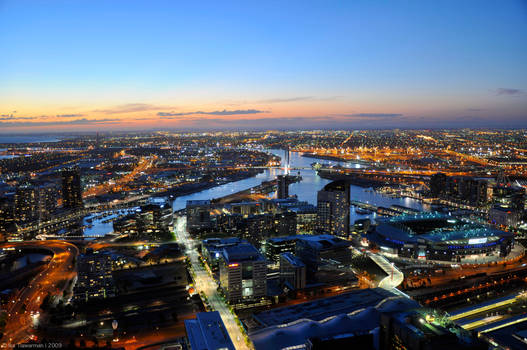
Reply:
x=189, y=189
x=334, y=158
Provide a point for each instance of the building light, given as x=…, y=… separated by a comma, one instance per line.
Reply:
x=234, y=265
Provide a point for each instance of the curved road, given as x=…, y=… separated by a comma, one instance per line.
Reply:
x=28, y=300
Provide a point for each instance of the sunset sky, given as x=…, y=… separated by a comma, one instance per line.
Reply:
x=141, y=65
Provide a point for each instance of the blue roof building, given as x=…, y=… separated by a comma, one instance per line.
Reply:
x=207, y=332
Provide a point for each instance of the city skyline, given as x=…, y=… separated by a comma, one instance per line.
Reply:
x=96, y=66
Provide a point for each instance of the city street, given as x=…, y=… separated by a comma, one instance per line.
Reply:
x=29, y=299
x=206, y=284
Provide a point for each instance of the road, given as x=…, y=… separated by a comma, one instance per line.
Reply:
x=143, y=165
x=29, y=299
x=466, y=270
x=206, y=284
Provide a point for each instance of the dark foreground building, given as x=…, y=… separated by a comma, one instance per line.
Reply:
x=71, y=188
x=333, y=209
x=362, y=319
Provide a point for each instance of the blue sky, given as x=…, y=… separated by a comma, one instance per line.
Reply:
x=434, y=64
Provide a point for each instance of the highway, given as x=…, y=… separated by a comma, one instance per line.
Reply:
x=28, y=300
x=206, y=284
x=143, y=165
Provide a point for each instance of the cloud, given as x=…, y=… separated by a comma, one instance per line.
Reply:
x=298, y=98
x=14, y=117
x=224, y=112
x=475, y=109
x=508, y=92
x=130, y=107
x=291, y=99
x=69, y=115
x=82, y=121
x=370, y=115
x=206, y=122
x=299, y=122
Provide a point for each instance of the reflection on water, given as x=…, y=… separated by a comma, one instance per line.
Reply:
x=306, y=190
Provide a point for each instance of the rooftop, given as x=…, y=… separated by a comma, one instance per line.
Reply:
x=220, y=242
x=198, y=202
x=323, y=308
x=293, y=260
x=357, y=311
x=434, y=227
x=207, y=331
x=241, y=252
x=325, y=241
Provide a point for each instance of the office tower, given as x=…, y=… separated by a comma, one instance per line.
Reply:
x=285, y=223
x=198, y=215
x=282, y=187
x=95, y=278
x=35, y=202
x=48, y=200
x=467, y=190
x=318, y=250
x=212, y=249
x=438, y=184
x=292, y=271
x=26, y=203
x=71, y=189
x=156, y=216
x=243, y=273
x=333, y=209
x=509, y=197
x=7, y=219
x=275, y=246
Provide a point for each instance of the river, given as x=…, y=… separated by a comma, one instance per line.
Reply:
x=306, y=190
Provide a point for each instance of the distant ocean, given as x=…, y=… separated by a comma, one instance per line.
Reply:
x=27, y=138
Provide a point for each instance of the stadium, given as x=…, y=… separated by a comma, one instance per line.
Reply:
x=433, y=236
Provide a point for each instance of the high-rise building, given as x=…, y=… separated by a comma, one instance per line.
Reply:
x=243, y=274
x=71, y=189
x=198, y=214
x=33, y=202
x=283, y=187
x=48, y=200
x=153, y=220
x=7, y=218
x=319, y=250
x=155, y=216
x=333, y=209
x=26, y=203
x=438, y=184
x=460, y=189
x=509, y=197
x=95, y=278
x=275, y=246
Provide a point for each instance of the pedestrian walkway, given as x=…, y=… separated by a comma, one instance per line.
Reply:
x=394, y=278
